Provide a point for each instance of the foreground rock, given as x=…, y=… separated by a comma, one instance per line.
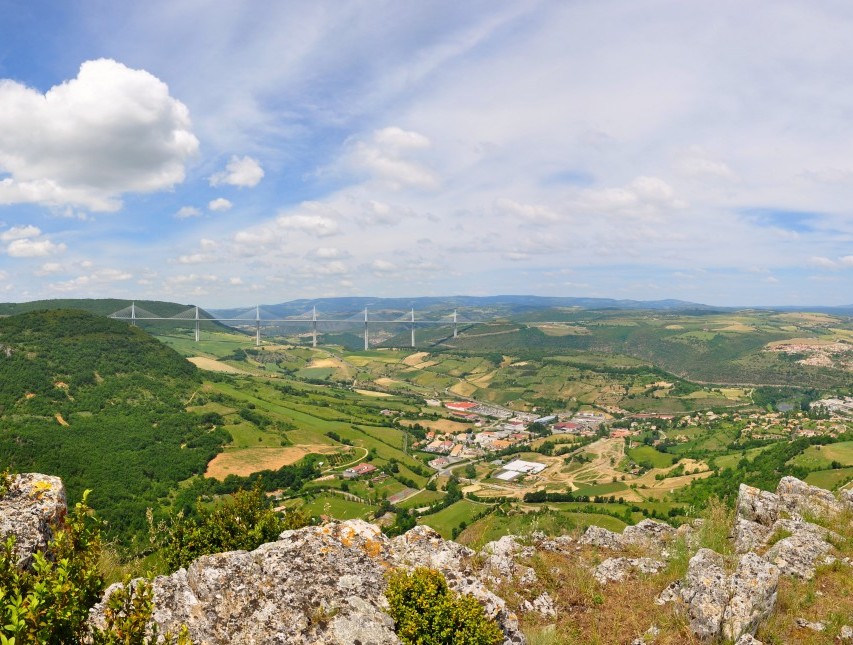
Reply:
x=33, y=505
x=800, y=546
x=647, y=534
x=718, y=604
x=314, y=585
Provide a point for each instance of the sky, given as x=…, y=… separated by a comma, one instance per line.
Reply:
x=231, y=153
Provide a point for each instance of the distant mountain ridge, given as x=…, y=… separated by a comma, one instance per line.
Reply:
x=499, y=305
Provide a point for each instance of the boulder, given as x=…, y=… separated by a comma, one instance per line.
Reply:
x=749, y=535
x=705, y=593
x=757, y=505
x=617, y=569
x=32, y=507
x=800, y=498
x=799, y=554
x=319, y=585
x=597, y=536
x=721, y=605
x=753, y=589
x=649, y=534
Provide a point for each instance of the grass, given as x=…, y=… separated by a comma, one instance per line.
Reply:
x=338, y=507
x=495, y=525
x=823, y=456
x=449, y=518
x=657, y=458
x=830, y=479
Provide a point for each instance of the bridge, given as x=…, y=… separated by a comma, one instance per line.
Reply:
x=256, y=316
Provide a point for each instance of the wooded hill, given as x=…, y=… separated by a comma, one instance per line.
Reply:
x=101, y=404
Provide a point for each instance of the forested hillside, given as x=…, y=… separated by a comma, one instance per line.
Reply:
x=102, y=405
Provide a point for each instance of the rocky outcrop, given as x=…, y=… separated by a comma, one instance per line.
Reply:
x=617, y=569
x=800, y=545
x=799, y=498
x=718, y=604
x=314, y=585
x=753, y=589
x=705, y=593
x=603, y=538
x=32, y=507
x=647, y=534
x=799, y=555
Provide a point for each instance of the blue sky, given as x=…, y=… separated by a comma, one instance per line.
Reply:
x=231, y=153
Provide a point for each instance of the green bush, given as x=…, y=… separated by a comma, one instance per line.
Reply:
x=427, y=612
x=244, y=521
x=49, y=603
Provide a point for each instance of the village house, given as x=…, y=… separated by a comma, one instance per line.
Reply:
x=359, y=470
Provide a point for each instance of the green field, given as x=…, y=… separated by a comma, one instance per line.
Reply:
x=655, y=457
x=830, y=479
x=496, y=525
x=338, y=507
x=821, y=457
x=449, y=518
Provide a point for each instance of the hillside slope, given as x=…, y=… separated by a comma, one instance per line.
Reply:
x=100, y=404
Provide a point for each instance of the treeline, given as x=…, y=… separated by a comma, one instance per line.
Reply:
x=763, y=471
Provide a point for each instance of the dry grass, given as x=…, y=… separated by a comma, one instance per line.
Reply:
x=589, y=613
x=373, y=393
x=441, y=425
x=246, y=461
x=212, y=365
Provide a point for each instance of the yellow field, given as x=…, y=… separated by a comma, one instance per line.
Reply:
x=414, y=359
x=212, y=365
x=738, y=327
x=246, y=461
x=463, y=388
x=372, y=393
x=562, y=330
x=441, y=425
x=325, y=362
x=388, y=382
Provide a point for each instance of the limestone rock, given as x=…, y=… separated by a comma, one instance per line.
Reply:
x=672, y=593
x=32, y=507
x=748, y=639
x=800, y=498
x=705, y=593
x=798, y=555
x=815, y=627
x=617, y=569
x=718, y=604
x=560, y=544
x=846, y=634
x=753, y=589
x=597, y=536
x=318, y=585
x=757, y=505
x=649, y=533
x=543, y=604
x=749, y=535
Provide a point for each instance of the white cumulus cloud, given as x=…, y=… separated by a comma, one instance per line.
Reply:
x=33, y=248
x=318, y=225
x=110, y=130
x=385, y=157
x=219, y=204
x=19, y=232
x=187, y=211
x=244, y=172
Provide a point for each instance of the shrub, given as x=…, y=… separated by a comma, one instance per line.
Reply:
x=49, y=603
x=427, y=612
x=243, y=521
